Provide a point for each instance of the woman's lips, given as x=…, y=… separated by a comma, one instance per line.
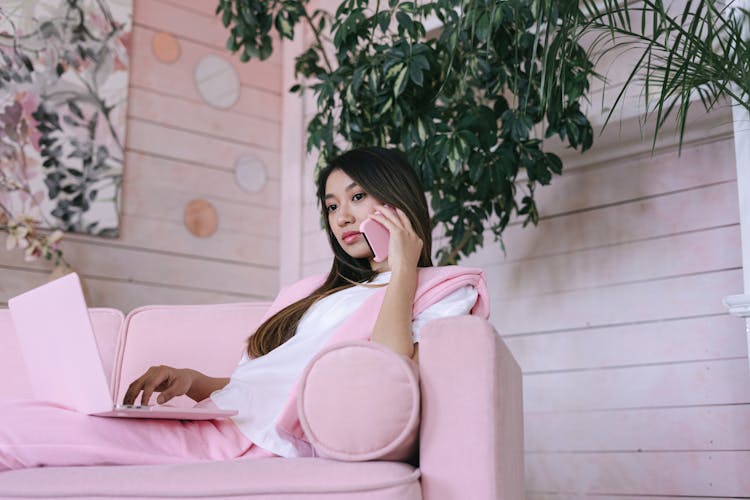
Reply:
x=350, y=238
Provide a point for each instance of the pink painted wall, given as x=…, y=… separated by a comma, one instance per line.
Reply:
x=179, y=149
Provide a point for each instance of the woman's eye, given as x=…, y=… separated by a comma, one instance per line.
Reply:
x=358, y=196
x=330, y=208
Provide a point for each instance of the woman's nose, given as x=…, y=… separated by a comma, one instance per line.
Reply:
x=344, y=216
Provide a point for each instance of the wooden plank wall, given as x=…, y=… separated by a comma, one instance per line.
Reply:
x=178, y=149
x=636, y=380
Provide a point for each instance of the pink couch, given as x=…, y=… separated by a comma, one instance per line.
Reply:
x=471, y=434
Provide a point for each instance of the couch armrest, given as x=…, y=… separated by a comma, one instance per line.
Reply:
x=471, y=439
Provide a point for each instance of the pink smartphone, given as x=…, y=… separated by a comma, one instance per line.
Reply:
x=376, y=236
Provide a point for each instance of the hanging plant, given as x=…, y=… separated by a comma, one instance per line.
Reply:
x=469, y=105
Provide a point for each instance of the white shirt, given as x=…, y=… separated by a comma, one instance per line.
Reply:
x=259, y=388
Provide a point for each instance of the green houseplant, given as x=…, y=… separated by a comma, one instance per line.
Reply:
x=470, y=105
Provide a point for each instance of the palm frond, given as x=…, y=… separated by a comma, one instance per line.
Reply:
x=697, y=55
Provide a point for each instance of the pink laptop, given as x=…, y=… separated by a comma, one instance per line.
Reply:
x=59, y=349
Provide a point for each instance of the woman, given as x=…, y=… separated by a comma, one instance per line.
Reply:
x=351, y=301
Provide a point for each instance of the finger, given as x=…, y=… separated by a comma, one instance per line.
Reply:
x=393, y=229
x=398, y=218
x=389, y=212
x=175, y=388
x=178, y=385
x=389, y=223
x=404, y=218
x=133, y=390
x=153, y=384
x=148, y=390
x=166, y=395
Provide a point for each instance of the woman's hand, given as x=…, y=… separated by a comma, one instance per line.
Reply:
x=393, y=326
x=171, y=382
x=404, y=246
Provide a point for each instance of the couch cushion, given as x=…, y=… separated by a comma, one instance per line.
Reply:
x=360, y=401
x=181, y=336
x=264, y=478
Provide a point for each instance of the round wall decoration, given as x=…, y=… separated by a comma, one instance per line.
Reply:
x=200, y=218
x=217, y=82
x=166, y=47
x=250, y=174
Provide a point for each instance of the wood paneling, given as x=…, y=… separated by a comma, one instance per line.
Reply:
x=204, y=7
x=216, y=184
x=168, y=205
x=125, y=295
x=684, y=296
x=177, y=80
x=17, y=281
x=315, y=267
x=166, y=236
x=254, y=73
x=182, y=145
x=178, y=113
x=533, y=495
x=671, y=255
x=617, y=182
x=252, y=102
x=135, y=264
x=181, y=18
x=699, y=208
x=311, y=222
x=652, y=429
x=680, y=384
x=627, y=138
x=700, y=473
x=665, y=341
x=292, y=161
x=316, y=246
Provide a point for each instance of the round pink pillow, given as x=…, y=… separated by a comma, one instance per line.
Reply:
x=360, y=401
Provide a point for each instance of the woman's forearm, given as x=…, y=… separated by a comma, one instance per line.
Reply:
x=203, y=385
x=393, y=326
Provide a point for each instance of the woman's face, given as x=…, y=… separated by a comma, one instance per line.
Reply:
x=347, y=205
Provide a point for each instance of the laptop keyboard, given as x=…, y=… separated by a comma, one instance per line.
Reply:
x=133, y=407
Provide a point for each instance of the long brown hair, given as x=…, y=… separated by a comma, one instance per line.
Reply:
x=384, y=174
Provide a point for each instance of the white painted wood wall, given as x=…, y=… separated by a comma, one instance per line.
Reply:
x=635, y=378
